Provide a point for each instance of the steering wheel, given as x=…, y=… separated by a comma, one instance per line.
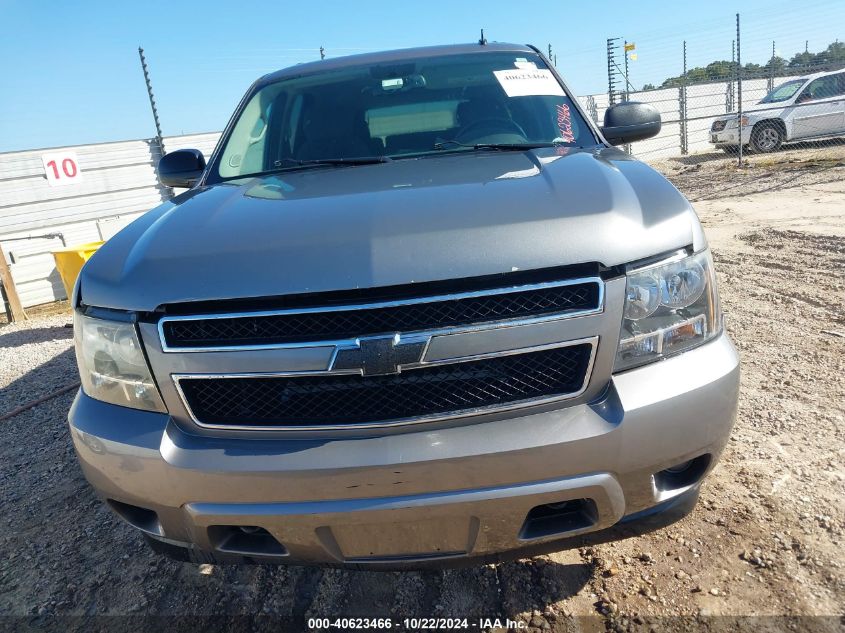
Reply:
x=497, y=125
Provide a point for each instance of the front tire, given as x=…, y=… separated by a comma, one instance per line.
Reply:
x=766, y=137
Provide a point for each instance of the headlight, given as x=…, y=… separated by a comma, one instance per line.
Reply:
x=669, y=308
x=731, y=123
x=112, y=366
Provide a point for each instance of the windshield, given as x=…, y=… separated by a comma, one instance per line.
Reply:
x=401, y=109
x=784, y=91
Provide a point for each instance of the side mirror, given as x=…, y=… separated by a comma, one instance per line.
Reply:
x=181, y=168
x=629, y=122
x=804, y=97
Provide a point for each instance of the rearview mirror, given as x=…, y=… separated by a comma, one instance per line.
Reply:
x=181, y=168
x=630, y=121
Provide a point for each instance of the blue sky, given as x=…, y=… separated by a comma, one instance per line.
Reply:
x=71, y=75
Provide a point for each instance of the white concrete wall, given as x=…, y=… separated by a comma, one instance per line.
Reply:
x=118, y=184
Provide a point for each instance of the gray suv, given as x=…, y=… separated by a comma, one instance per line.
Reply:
x=415, y=311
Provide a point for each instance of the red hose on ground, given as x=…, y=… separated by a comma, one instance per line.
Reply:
x=35, y=403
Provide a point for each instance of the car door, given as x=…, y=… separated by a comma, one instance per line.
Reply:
x=820, y=109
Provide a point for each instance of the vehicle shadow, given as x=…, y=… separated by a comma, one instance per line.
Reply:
x=489, y=591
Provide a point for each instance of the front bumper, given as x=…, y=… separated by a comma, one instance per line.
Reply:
x=430, y=497
x=729, y=137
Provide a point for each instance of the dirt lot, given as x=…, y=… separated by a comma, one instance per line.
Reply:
x=766, y=538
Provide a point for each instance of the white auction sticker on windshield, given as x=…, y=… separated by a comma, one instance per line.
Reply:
x=524, y=64
x=528, y=83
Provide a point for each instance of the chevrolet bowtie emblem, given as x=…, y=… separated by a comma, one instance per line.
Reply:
x=379, y=355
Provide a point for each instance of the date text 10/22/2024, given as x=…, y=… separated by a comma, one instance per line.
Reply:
x=416, y=624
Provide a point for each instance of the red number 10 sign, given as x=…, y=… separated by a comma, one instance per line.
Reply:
x=61, y=168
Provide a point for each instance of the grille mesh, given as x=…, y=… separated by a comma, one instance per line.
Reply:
x=718, y=126
x=345, y=324
x=429, y=391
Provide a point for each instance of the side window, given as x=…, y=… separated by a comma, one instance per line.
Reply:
x=823, y=87
x=244, y=153
x=840, y=88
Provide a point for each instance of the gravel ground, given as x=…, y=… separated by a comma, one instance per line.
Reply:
x=714, y=175
x=766, y=538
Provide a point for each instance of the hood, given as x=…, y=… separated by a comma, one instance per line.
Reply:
x=770, y=110
x=413, y=220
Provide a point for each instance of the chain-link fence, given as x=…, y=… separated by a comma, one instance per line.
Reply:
x=736, y=91
x=743, y=90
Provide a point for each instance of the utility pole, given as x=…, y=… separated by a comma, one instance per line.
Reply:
x=771, y=82
x=611, y=72
x=729, y=106
x=627, y=83
x=739, y=90
x=322, y=53
x=682, y=93
x=159, y=139
x=550, y=53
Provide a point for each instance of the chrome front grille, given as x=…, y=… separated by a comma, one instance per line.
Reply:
x=391, y=362
x=330, y=401
x=339, y=322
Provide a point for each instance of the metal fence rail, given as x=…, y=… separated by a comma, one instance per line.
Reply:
x=691, y=99
x=687, y=123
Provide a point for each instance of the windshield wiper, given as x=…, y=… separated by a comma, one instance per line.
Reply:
x=292, y=164
x=516, y=147
x=361, y=160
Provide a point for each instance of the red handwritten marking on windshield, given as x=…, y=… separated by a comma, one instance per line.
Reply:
x=564, y=123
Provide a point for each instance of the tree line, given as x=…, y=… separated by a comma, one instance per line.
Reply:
x=831, y=58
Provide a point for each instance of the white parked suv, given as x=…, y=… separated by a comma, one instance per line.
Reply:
x=803, y=108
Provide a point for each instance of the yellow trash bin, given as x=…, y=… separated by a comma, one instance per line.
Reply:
x=69, y=262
